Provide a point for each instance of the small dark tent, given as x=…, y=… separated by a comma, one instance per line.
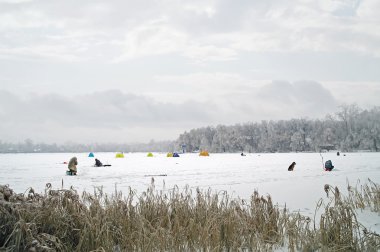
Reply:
x=175, y=154
x=91, y=154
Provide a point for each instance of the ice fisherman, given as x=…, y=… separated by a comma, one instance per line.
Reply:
x=98, y=163
x=73, y=165
x=291, y=167
x=328, y=165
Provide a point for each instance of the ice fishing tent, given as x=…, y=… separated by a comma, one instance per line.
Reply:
x=119, y=155
x=169, y=154
x=175, y=154
x=91, y=154
x=204, y=153
x=149, y=154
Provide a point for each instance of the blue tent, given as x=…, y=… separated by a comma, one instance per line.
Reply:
x=175, y=154
x=91, y=154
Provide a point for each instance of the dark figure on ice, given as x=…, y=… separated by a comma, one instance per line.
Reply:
x=73, y=166
x=98, y=163
x=338, y=154
x=242, y=154
x=328, y=165
x=291, y=167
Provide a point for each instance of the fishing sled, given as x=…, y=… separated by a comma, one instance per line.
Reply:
x=71, y=173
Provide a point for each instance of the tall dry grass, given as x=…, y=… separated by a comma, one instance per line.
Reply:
x=181, y=220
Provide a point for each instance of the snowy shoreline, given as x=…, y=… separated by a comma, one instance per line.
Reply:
x=240, y=176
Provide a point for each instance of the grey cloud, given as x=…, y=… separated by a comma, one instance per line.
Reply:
x=105, y=115
x=109, y=116
x=98, y=30
x=278, y=100
x=298, y=99
x=107, y=109
x=66, y=48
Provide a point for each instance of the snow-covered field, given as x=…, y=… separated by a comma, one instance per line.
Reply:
x=240, y=176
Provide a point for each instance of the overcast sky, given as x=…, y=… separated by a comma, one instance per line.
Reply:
x=130, y=71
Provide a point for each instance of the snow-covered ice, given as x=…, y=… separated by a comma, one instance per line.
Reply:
x=239, y=175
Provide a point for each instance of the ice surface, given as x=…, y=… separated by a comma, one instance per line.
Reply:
x=239, y=175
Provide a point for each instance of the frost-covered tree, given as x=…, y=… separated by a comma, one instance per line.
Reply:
x=297, y=142
x=350, y=128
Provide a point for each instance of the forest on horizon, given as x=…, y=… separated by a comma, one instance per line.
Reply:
x=349, y=129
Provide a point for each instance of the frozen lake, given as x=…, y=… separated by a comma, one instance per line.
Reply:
x=240, y=176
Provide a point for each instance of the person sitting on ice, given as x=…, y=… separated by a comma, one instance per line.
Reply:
x=73, y=165
x=98, y=163
x=291, y=167
x=328, y=165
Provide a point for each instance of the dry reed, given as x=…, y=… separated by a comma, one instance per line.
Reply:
x=181, y=220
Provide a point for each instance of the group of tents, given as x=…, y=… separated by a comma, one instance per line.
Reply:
x=171, y=154
x=150, y=154
x=73, y=171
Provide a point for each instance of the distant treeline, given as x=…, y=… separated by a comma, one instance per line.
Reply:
x=349, y=129
x=28, y=146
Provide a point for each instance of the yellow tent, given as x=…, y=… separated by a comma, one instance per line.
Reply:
x=119, y=155
x=170, y=154
x=204, y=153
x=150, y=154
